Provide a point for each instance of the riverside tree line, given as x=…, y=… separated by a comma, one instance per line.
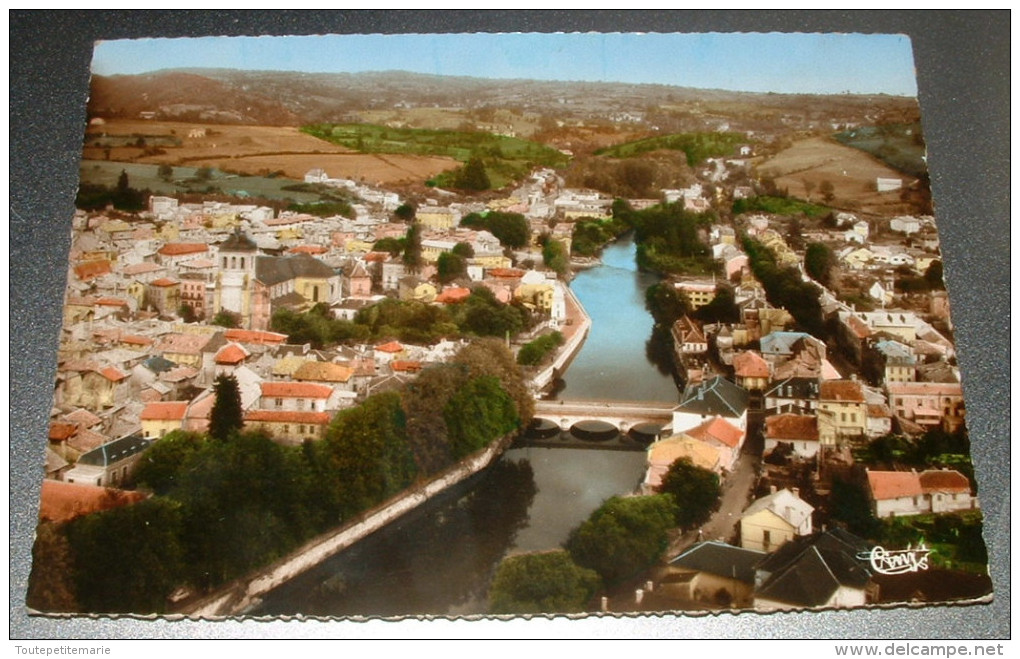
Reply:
x=232, y=500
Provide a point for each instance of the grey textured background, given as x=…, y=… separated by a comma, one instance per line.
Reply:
x=962, y=61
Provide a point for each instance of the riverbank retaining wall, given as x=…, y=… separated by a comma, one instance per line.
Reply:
x=237, y=597
x=570, y=347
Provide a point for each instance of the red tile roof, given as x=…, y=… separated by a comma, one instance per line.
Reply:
x=113, y=374
x=134, y=339
x=296, y=390
x=172, y=411
x=111, y=302
x=894, y=484
x=791, y=426
x=308, y=249
x=288, y=416
x=231, y=354
x=254, y=336
x=717, y=429
x=392, y=346
x=92, y=269
x=61, y=502
x=505, y=273
x=750, y=364
x=179, y=249
x=943, y=480
x=323, y=372
x=406, y=365
x=165, y=282
x=849, y=391
x=61, y=431
x=453, y=295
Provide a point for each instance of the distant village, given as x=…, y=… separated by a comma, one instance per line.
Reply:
x=133, y=368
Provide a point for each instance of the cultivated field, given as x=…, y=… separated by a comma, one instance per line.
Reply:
x=852, y=173
x=256, y=150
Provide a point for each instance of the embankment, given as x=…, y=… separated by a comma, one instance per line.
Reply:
x=576, y=331
x=239, y=596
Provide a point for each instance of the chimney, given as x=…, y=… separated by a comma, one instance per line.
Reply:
x=772, y=489
x=796, y=491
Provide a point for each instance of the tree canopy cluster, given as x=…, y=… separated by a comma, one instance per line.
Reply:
x=94, y=196
x=511, y=229
x=533, y=352
x=412, y=321
x=222, y=507
x=786, y=289
x=669, y=238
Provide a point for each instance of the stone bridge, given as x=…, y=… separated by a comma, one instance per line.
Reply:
x=621, y=414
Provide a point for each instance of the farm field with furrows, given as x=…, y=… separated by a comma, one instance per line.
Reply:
x=251, y=150
x=803, y=167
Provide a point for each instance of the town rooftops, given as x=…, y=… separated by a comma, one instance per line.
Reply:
x=184, y=344
x=254, y=336
x=62, y=502
x=715, y=396
x=92, y=269
x=721, y=560
x=894, y=484
x=323, y=372
x=953, y=389
x=781, y=343
x=271, y=270
x=231, y=354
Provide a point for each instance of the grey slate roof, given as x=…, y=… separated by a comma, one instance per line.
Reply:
x=271, y=270
x=807, y=571
x=115, y=451
x=720, y=559
x=238, y=242
x=716, y=396
x=796, y=387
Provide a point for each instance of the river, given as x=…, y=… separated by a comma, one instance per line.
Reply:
x=440, y=559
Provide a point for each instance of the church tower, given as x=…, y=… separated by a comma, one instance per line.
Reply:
x=235, y=260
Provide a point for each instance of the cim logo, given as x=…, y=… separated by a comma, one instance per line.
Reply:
x=900, y=561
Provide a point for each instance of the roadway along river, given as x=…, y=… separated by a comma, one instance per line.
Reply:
x=440, y=559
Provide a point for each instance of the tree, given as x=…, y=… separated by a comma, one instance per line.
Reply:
x=828, y=191
x=554, y=255
x=547, y=582
x=227, y=416
x=479, y=413
x=203, y=173
x=129, y=559
x=623, y=537
x=695, y=492
x=934, y=275
x=413, y=260
x=450, y=266
x=186, y=313
x=665, y=303
x=165, y=172
x=405, y=212
x=225, y=318
x=819, y=260
x=472, y=176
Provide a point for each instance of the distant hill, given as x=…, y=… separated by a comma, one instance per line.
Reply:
x=294, y=98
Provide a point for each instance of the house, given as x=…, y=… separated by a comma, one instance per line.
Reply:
x=295, y=396
x=663, y=453
x=698, y=293
x=823, y=569
x=800, y=431
x=287, y=426
x=928, y=404
x=775, y=519
x=947, y=490
x=688, y=337
x=896, y=493
x=721, y=435
x=159, y=418
x=900, y=361
x=703, y=401
x=109, y=464
x=842, y=411
x=751, y=371
x=714, y=572
x=91, y=385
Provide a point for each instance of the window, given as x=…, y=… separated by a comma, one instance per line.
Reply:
x=766, y=539
x=286, y=429
x=301, y=403
x=301, y=429
x=279, y=403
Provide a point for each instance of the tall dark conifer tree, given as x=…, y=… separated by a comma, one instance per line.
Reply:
x=226, y=417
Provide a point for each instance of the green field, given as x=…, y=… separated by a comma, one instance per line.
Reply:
x=901, y=146
x=697, y=146
x=505, y=158
x=145, y=177
x=778, y=206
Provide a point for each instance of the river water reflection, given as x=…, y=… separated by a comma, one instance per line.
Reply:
x=440, y=559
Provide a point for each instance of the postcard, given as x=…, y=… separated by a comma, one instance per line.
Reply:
x=478, y=325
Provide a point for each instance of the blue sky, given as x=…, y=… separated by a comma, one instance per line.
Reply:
x=777, y=62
